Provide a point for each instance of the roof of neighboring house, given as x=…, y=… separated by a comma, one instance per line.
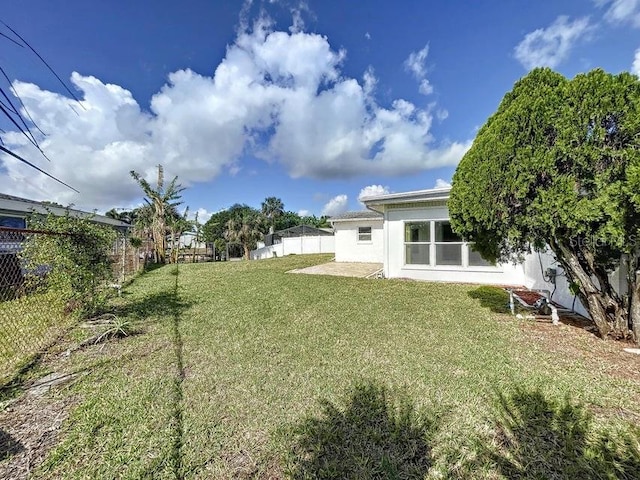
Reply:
x=11, y=205
x=429, y=195
x=354, y=216
x=303, y=231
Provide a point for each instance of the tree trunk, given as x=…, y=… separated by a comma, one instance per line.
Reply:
x=174, y=249
x=634, y=304
x=605, y=308
x=159, y=243
x=246, y=251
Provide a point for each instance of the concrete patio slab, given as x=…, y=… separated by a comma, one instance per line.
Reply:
x=341, y=269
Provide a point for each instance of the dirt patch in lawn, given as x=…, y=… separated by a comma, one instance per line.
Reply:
x=30, y=423
x=571, y=341
x=29, y=428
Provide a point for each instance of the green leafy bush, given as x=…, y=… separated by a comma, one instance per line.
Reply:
x=72, y=259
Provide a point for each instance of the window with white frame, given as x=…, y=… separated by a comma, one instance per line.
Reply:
x=476, y=260
x=364, y=234
x=448, y=245
x=417, y=240
x=434, y=243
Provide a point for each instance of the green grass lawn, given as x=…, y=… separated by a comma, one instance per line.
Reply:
x=27, y=324
x=240, y=370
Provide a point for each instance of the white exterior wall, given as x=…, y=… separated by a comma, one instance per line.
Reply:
x=188, y=240
x=395, y=267
x=349, y=249
x=529, y=273
x=297, y=246
x=535, y=280
x=430, y=205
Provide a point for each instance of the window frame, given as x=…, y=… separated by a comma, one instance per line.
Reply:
x=460, y=243
x=411, y=243
x=369, y=234
x=465, y=249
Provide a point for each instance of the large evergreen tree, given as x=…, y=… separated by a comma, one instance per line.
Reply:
x=558, y=165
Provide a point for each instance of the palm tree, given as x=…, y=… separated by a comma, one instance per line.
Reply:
x=197, y=229
x=272, y=208
x=143, y=224
x=177, y=224
x=123, y=215
x=244, y=229
x=161, y=200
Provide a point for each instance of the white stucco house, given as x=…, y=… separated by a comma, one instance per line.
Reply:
x=410, y=234
x=358, y=236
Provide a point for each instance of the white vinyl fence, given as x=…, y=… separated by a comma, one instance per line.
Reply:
x=297, y=246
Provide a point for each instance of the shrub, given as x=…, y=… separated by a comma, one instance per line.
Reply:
x=72, y=258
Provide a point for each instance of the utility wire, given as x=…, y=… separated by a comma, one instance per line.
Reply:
x=10, y=110
x=15, y=155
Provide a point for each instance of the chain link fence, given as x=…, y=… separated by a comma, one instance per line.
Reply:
x=128, y=260
x=32, y=315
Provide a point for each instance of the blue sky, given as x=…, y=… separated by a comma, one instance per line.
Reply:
x=312, y=102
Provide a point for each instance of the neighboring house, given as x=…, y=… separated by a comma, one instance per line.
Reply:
x=14, y=212
x=297, y=231
x=411, y=236
x=358, y=236
x=188, y=241
x=297, y=240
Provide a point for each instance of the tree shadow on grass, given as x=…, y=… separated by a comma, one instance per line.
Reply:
x=9, y=446
x=375, y=434
x=165, y=303
x=537, y=437
x=494, y=298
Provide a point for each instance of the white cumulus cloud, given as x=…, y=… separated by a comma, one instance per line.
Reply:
x=441, y=183
x=304, y=213
x=622, y=11
x=635, y=67
x=203, y=215
x=371, y=190
x=416, y=64
x=336, y=205
x=277, y=95
x=548, y=47
x=442, y=114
